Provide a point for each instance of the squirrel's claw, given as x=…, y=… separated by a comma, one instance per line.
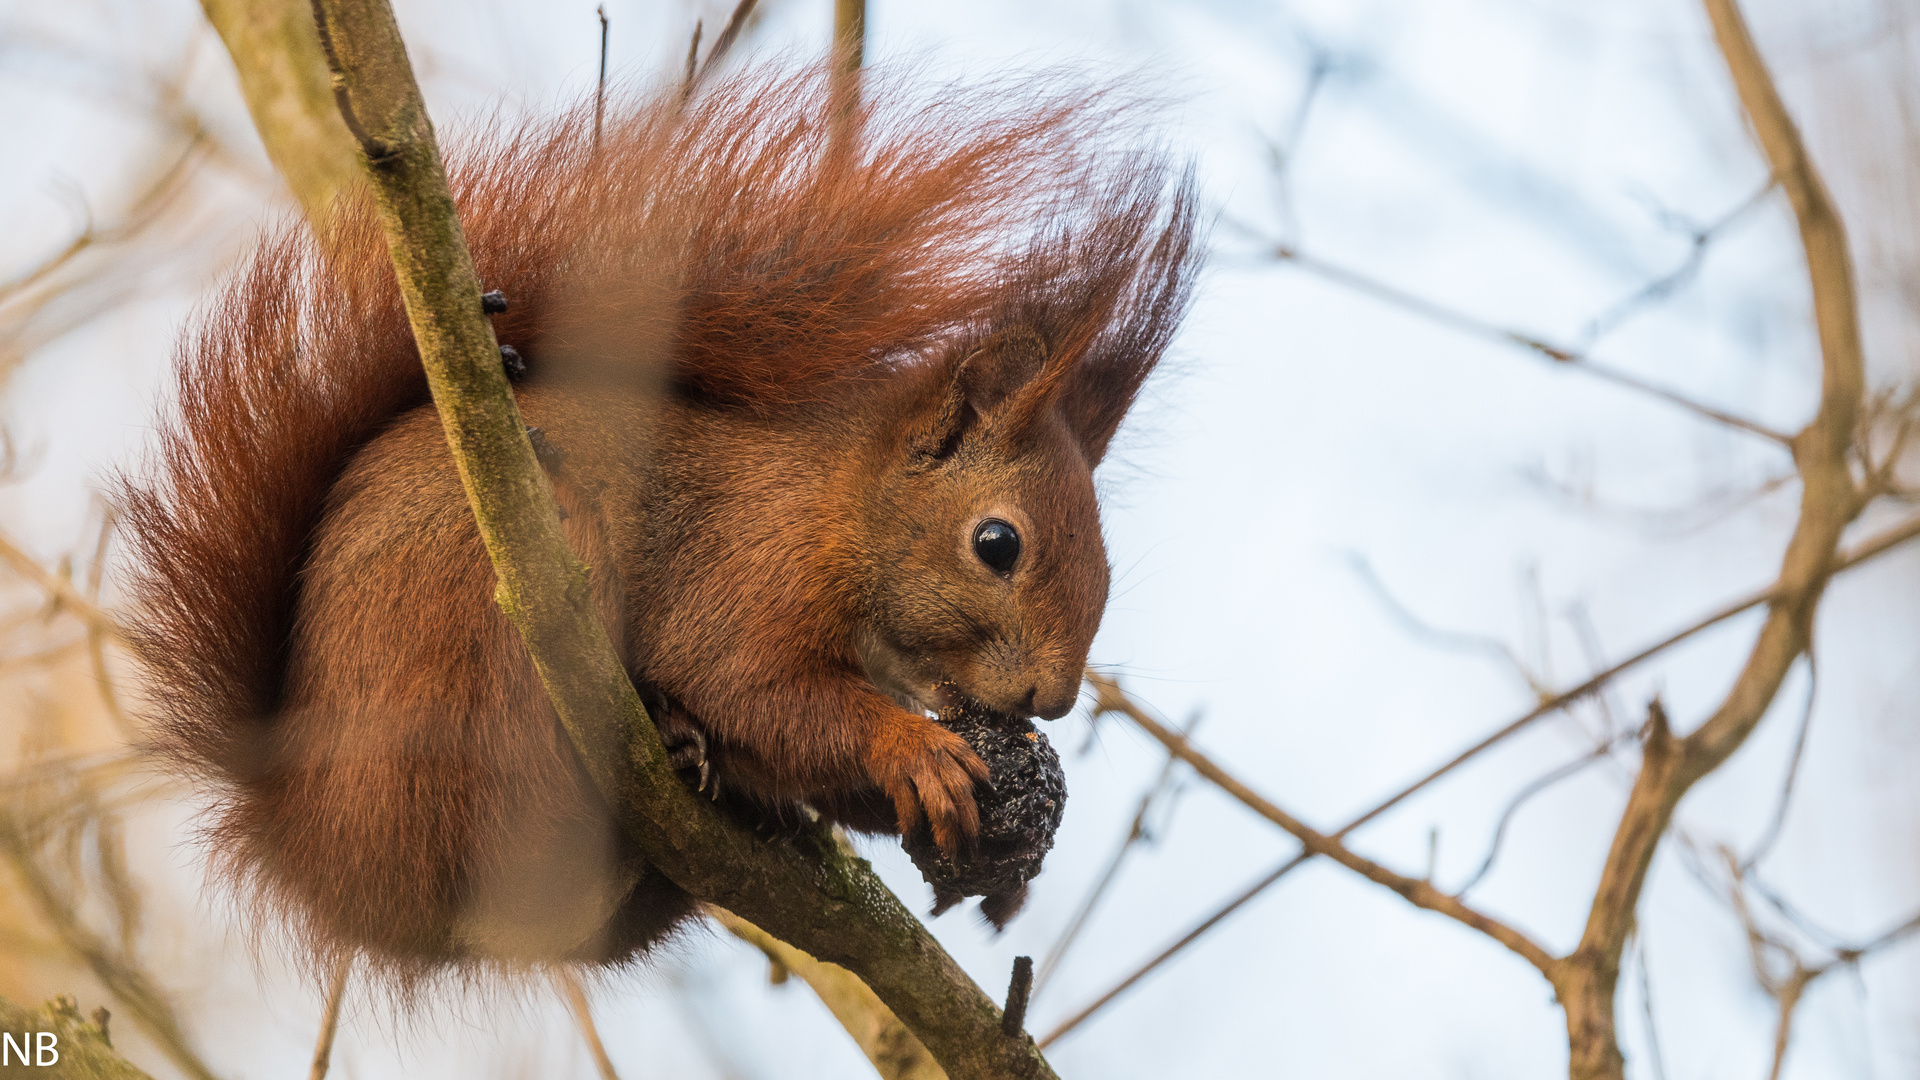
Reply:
x=687, y=749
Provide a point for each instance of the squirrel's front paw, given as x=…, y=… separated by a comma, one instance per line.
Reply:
x=929, y=773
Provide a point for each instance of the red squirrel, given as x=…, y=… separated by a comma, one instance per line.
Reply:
x=822, y=421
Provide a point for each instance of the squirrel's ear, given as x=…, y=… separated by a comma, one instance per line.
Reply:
x=1008, y=366
x=1007, y=375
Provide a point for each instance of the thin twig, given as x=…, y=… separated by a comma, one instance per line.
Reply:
x=58, y=588
x=1876, y=545
x=1415, y=891
x=1285, y=147
x=1013, y=1018
x=1455, y=640
x=1767, y=839
x=1559, y=354
x=892, y=1049
x=1664, y=286
x=600, y=88
x=1788, y=998
x=1646, y=1006
x=1136, y=832
x=97, y=639
x=582, y=1010
x=1519, y=799
x=849, y=56
x=1199, y=930
x=693, y=62
x=729, y=34
x=1789, y=989
x=330, y=1017
x=145, y=208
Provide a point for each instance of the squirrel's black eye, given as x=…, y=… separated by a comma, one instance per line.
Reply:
x=997, y=545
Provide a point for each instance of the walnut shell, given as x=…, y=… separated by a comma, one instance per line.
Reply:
x=1020, y=809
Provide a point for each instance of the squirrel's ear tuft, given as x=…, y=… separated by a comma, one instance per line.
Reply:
x=1160, y=262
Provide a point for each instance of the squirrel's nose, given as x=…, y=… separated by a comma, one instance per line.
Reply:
x=1054, y=705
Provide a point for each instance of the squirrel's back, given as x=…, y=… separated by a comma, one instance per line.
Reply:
x=312, y=604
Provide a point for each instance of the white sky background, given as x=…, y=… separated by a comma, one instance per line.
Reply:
x=1508, y=158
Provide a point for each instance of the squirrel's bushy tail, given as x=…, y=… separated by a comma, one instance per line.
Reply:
x=728, y=242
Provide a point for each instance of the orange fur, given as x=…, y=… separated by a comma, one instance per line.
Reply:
x=787, y=384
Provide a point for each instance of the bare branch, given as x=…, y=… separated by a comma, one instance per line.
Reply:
x=1456, y=640
x=1419, y=893
x=1876, y=545
x=330, y=1017
x=1646, y=1007
x=1787, y=990
x=576, y=998
x=729, y=34
x=1136, y=832
x=600, y=86
x=155, y=195
x=1829, y=502
x=1779, y=819
x=1665, y=285
x=1519, y=799
x=97, y=637
x=1168, y=953
x=693, y=61
x=58, y=589
x=1559, y=354
x=849, y=56
x=283, y=77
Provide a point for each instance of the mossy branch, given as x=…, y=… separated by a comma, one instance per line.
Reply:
x=803, y=890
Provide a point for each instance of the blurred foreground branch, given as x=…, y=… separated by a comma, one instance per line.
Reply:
x=895, y=1053
x=21, y=843
x=802, y=889
x=283, y=77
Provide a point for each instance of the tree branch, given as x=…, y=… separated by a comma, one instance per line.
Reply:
x=1559, y=354
x=59, y=589
x=1829, y=502
x=802, y=889
x=575, y=995
x=1872, y=547
x=330, y=1017
x=1417, y=892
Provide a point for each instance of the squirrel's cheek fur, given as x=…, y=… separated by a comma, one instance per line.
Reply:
x=777, y=387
